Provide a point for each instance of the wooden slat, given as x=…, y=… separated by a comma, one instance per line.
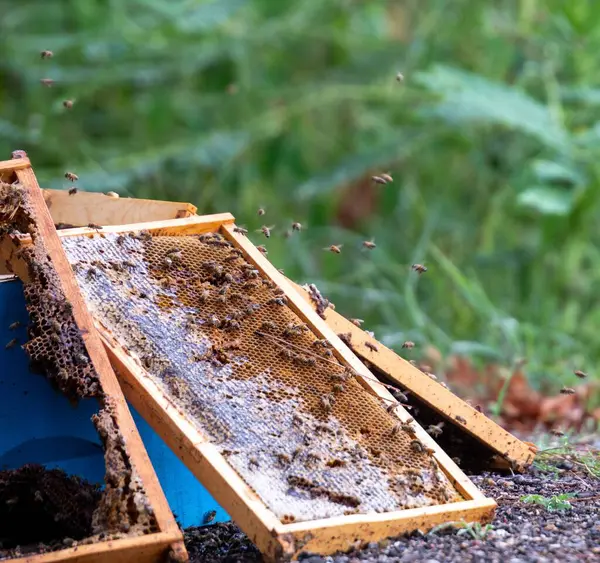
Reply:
x=95, y=349
x=336, y=534
x=14, y=165
x=193, y=448
x=429, y=391
x=83, y=208
x=144, y=549
x=345, y=355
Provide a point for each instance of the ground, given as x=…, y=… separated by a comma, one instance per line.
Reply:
x=521, y=532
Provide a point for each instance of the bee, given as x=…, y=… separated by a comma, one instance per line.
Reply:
x=296, y=227
x=435, y=430
x=400, y=77
x=386, y=177
x=417, y=446
x=253, y=461
x=396, y=429
x=357, y=322
x=378, y=180
x=266, y=230
x=280, y=270
x=281, y=301
x=335, y=248
x=419, y=268
x=71, y=176
x=369, y=244
x=47, y=82
x=406, y=427
x=260, y=212
x=580, y=374
x=68, y=104
x=567, y=391
x=460, y=419
x=91, y=273
x=167, y=262
x=346, y=338
x=371, y=347
x=390, y=408
x=429, y=451
x=338, y=388
x=326, y=403
x=457, y=460
x=46, y=54
x=12, y=343
x=261, y=248
x=14, y=325
x=557, y=433
x=81, y=359
x=240, y=230
x=209, y=517
x=286, y=353
x=408, y=344
x=338, y=377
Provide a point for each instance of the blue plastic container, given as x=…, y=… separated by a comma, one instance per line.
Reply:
x=39, y=425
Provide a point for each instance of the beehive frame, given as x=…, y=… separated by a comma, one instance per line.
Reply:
x=154, y=547
x=513, y=452
x=275, y=539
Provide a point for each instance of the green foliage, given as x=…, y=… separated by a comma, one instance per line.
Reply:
x=552, y=504
x=473, y=529
x=493, y=140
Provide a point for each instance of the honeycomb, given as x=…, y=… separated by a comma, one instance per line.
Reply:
x=223, y=344
x=57, y=349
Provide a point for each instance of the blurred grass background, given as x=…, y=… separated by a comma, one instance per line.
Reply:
x=493, y=140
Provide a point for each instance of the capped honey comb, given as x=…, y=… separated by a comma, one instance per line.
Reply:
x=222, y=343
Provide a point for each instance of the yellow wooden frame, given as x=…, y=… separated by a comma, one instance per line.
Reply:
x=150, y=548
x=275, y=540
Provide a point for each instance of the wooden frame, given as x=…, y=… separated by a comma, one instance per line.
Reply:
x=275, y=540
x=152, y=547
x=517, y=454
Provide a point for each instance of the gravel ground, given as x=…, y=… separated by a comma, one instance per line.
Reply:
x=521, y=533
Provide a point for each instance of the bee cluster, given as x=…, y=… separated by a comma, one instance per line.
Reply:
x=236, y=360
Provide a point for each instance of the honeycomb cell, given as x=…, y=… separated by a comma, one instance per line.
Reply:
x=225, y=346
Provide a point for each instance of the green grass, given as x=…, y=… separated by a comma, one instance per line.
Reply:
x=493, y=140
x=551, y=504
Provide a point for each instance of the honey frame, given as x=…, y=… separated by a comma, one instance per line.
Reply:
x=150, y=548
x=277, y=541
x=511, y=452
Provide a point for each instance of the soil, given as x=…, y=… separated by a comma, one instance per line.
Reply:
x=521, y=532
x=42, y=506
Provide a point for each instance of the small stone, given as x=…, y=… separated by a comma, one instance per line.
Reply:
x=550, y=528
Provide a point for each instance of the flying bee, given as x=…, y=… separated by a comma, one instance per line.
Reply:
x=240, y=230
x=357, y=322
x=386, y=177
x=71, y=176
x=419, y=268
x=369, y=244
x=335, y=248
x=417, y=446
x=435, y=430
x=371, y=347
x=262, y=249
x=567, y=391
x=265, y=230
x=460, y=419
x=46, y=54
x=408, y=344
x=400, y=77
x=47, y=82
x=378, y=180
x=12, y=343
x=68, y=104
x=557, y=433
x=580, y=374
x=260, y=212
x=296, y=227
x=14, y=325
